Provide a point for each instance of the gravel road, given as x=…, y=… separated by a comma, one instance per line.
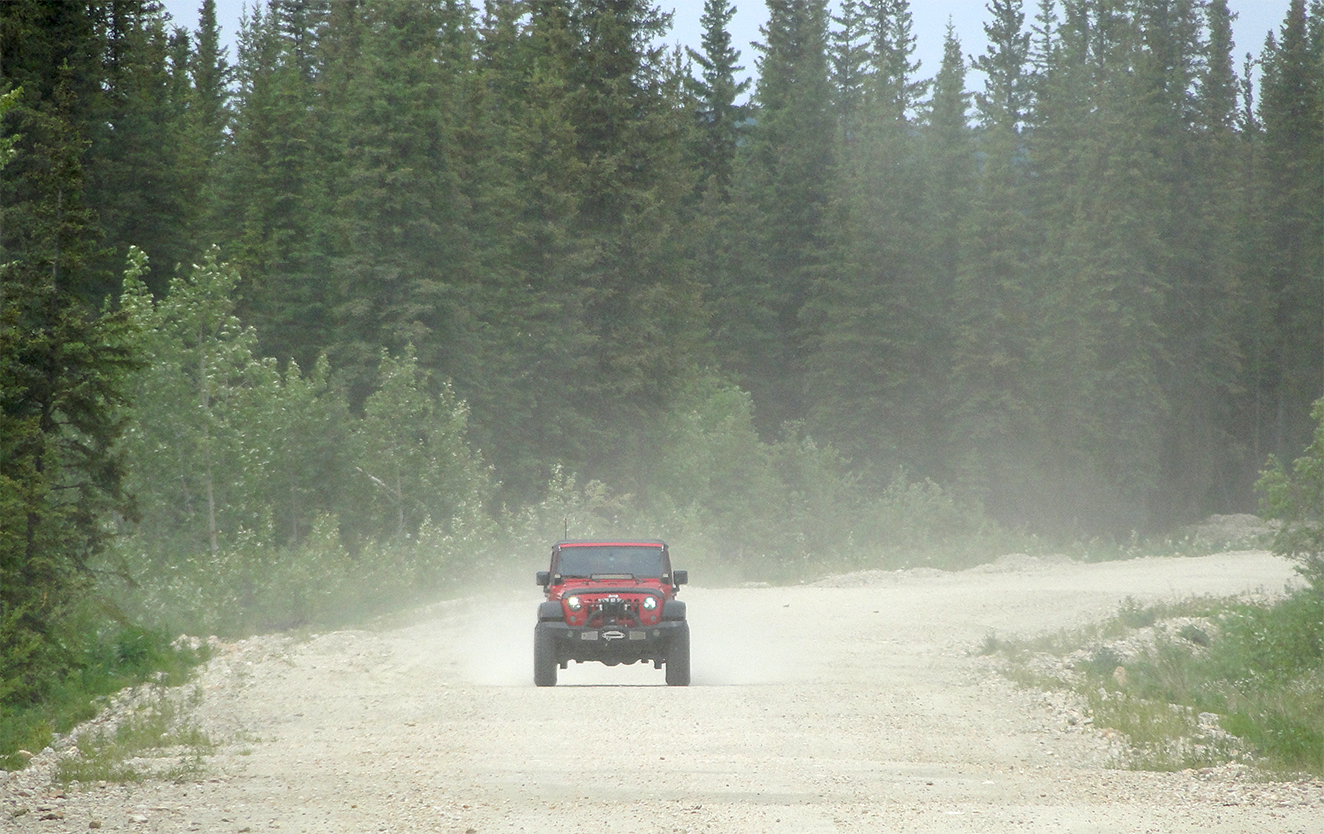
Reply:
x=850, y=705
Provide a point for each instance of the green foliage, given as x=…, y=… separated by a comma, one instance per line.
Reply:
x=1004, y=101
x=742, y=509
x=1256, y=667
x=1297, y=500
x=1051, y=322
x=156, y=739
x=266, y=504
x=106, y=657
x=197, y=467
x=716, y=91
x=1075, y=316
x=140, y=180
x=787, y=179
x=411, y=454
x=62, y=382
x=918, y=523
x=1290, y=222
x=567, y=510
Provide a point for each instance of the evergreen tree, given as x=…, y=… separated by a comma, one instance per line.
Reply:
x=50, y=51
x=641, y=305
x=527, y=343
x=207, y=71
x=396, y=206
x=850, y=67
x=1136, y=300
x=1120, y=257
x=895, y=90
x=210, y=74
x=1005, y=99
x=1216, y=100
x=1292, y=196
x=789, y=175
x=273, y=183
x=717, y=89
x=878, y=373
x=61, y=391
x=300, y=24
x=138, y=172
x=950, y=163
x=1207, y=273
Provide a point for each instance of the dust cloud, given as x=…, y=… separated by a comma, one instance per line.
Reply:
x=735, y=640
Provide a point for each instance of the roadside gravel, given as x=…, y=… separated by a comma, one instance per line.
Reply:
x=850, y=705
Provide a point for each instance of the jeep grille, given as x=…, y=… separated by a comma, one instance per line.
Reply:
x=610, y=611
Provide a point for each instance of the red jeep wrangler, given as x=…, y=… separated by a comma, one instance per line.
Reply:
x=613, y=602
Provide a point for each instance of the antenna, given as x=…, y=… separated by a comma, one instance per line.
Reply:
x=565, y=535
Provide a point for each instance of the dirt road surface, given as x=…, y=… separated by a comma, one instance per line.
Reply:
x=853, y=705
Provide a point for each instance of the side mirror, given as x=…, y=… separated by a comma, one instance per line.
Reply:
x=544, y=577
x=680, y=577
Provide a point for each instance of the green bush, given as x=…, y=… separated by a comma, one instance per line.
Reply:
x=1297, y=501
x=104, y=656
x=1260, y=668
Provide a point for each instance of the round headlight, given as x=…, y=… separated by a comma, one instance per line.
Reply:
x=573, y=603
x=650, y=603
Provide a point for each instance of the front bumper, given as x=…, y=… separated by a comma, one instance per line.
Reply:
x=614, y=644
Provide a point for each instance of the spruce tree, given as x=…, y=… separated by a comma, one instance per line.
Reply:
x=640, y=304
x=849, y=51
x=396, y=208
x=273, y=183
x=208, y=116
x=1292, y=195
x=895, y=90
x=789, y=172
x=527, y=342
x=719, y=116
x=876, y=312
x=138, y=171
x=1203, y=219
x=1005, y=99
x=62, y=369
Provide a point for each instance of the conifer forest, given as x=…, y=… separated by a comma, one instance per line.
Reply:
x=395, y=288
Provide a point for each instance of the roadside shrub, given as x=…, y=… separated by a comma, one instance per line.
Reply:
x=1258, y=668
x=104, y=656
x=1297, y=500
x=1275, y=644
x=913, y=523
x=252, y=587
x=792, y=509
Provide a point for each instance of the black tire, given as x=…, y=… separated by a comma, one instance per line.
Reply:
x=544, y=658
x=678, y=658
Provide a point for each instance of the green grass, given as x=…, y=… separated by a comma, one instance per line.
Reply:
x=108, y=659
x=1258, y=668
x=156, y=740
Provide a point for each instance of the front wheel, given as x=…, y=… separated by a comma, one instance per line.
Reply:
x=678, y=658
x=544, y=657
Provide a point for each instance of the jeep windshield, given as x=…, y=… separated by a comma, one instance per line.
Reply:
x=610, y=560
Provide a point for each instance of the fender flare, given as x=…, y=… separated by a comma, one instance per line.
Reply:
x=550, y=610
